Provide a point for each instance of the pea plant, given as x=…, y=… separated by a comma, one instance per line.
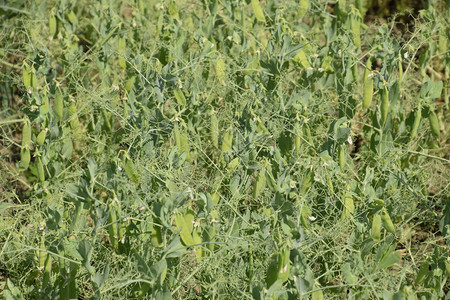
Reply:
x=170, y=149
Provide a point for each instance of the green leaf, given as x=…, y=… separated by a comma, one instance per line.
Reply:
x=158, y=271
x=67, y=148
x=175, y=248
x=349, y=277
x=389, y=259
x=100, y=278
x=131, y=171
x=180, y=97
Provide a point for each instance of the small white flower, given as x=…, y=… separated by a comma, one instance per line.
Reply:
x=315, y=55
x=349, y=140
x=134, y=24
x=142, y=208
x=229, y=38
x=370, y=75
x=119, y=168
x=311, y=218
x=196, y=224
x=321, y=70
x=212, y=45
x=340, y=53
x=405, y=55
x=191, y=193
x=310, y=69
x=115, y=87
x=176, y=119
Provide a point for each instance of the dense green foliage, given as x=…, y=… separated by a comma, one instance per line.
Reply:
x=224, y=149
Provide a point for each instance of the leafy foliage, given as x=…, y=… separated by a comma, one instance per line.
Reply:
x=223, y=149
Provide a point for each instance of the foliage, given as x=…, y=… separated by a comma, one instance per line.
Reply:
x=223, y=149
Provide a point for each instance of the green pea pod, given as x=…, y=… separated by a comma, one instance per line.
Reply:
x=341, y=9
x=42, y=255
x=304, y=215
x=58, y=106
x=26, y=75
x=297, y=138
x=47, y=271
x=40, y=169
x=443, y=41
x=416, y=123
x=303, y=8
x=400, y=71
x=434, y=124
x=308, y=134
x=26, y=134
x=214, y=130
x=258, y=11
x=121, y=50
x=112, y=228
x=368, y=86
x=260, y=183
x=386, y=220
x=348, y=206
x=177, y=136
x=52, y=25
x=341, y=154
x=375, y=232
x=227, y=141
x=284, y=264
x=211, y=233
x=355, y=25
x=72, y=112
x=384, y=105
x=272, y=271
x=40, y=139
x=25, y=158
x=45, y=106
x=307, y=182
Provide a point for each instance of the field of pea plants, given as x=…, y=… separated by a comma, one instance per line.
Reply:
x=224, y=149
